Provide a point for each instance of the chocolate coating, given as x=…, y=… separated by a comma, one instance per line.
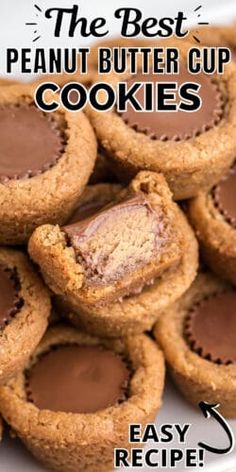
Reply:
x=224, y=195
x=78, y=379
x=30, y=141
x=117, y=240
x=9, y=297
x=176, y=125
x=211, y=328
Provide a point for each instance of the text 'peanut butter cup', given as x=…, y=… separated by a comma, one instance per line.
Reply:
x=121, y=240
x=31, y=141
x=10, y=301
x=175, y=125
x=211, y=328
x=78, y=379
x=224, y=195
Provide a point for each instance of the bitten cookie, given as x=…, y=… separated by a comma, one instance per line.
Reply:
x=6, y=82
x=45, y=163
x=198, y=336
x=74, y=402
x=193, y=150
x=121, y=266
x=213, y=216
x=24, y=311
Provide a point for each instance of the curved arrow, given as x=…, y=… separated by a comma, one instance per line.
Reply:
x=212, y=410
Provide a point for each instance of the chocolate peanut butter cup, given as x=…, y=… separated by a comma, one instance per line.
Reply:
x=113, y=270
x=210, y=328
x=213, y=217
x=174, y=125
x=78, y=379
x=197, y=335
x=24, y=311
x=45, y=163
x=192, y=150
x=74, y=401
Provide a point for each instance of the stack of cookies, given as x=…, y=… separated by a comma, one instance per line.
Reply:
x=101, y=215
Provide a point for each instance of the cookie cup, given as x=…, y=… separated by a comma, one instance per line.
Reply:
x=21, y=336
x=51, y=195
x=188, y=165
x=197, y=378
x=69, y=442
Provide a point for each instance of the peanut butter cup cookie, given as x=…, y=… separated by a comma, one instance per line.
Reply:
x=213, y=216
x=24, y=311
x=45, y=163
x=192, y=150
x=198, y=336
x=115, y=268
x=73, y=403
